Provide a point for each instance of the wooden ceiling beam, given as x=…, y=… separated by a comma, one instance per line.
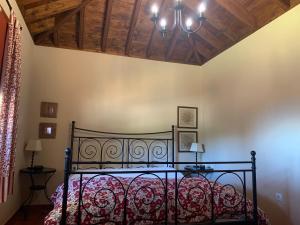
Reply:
x=50, y=9
x=199, y=61
x=172, y=44
x=81, y=29
x=209, y=37
x=284, y=4
x=42, y=25
x=56, y=38
x=238, y=11
x=221, y=28
x=134, y=17
x=200, y=49
x=108, y=9
x=189, y=55
x=149, y=45
x=194, y=51
x=41, y=36
x=27, y=2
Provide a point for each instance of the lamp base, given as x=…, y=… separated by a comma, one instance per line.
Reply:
x=32, y=167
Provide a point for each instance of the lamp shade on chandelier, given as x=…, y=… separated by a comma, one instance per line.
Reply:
x=186, y=24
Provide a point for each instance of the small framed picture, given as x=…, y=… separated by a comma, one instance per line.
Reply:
x=48, y=109
x=187, y=117
x=185, y=140
x=47, y=130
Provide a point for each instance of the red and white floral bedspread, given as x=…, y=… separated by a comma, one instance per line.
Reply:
x=104, y=201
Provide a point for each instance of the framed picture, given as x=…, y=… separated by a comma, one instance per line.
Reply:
x=47, y=130
x=48, y=109
x=187, y=117
x=185, y=140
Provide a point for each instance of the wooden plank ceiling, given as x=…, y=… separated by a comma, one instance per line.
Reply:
x=123, y=27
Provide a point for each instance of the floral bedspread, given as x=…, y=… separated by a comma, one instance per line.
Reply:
x=105, y=200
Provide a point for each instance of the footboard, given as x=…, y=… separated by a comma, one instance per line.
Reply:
x=160, y=196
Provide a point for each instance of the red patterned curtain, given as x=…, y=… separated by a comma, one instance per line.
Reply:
x=9, y=96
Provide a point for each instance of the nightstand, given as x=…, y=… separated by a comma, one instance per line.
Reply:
x=192, y=171
x=47, y=173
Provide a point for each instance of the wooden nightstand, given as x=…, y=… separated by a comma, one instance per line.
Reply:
x=193, y=171
x=33, y=173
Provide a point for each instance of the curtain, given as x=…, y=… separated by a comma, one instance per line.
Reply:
x=9, y=96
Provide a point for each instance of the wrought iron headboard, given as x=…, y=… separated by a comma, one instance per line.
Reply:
x=97, y=149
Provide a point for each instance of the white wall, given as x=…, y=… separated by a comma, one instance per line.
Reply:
x=9, y=208
x=254, y=103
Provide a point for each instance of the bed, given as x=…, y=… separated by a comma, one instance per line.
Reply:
x=117, y=178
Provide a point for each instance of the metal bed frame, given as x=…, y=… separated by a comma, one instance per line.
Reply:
x=95, y=149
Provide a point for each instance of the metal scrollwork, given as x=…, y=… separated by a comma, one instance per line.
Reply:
x=145, y=194
x=231, y=198
x=158, y=149
x=138, y=149
x=105, y=196
x=113, y=149
x=193, y=197
x=89, y=149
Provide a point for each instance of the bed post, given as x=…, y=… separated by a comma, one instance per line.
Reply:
x=173, y=146
x=72, y=142
x=68, y=165
x=255, y=210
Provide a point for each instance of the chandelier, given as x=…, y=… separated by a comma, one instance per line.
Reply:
x=181, y=22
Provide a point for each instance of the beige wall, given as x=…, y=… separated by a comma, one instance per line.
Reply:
x=9, y=208
x=253, y=90
x=105, y=92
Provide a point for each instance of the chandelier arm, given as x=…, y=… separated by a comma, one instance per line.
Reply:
x=175, y=20
x=158, y=27
x=197, y=29
x=192, y=31
x=180, y=22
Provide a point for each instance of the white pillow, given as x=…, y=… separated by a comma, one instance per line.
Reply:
x=135, y=172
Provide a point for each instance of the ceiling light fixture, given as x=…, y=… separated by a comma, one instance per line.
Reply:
x=188, y=27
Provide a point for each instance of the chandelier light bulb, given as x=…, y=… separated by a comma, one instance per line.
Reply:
x=163, y=23
x=189, y=23
x=201, y=8
x=154, y=9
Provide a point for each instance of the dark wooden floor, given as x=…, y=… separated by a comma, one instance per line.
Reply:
x=34, y=216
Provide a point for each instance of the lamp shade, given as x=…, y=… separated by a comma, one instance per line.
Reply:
x=34, y=145
x=196, y=148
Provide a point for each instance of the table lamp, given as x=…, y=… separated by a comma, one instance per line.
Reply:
x=195, y=147
x=34, y=145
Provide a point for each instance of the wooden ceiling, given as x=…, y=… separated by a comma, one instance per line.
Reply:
x=123, y=27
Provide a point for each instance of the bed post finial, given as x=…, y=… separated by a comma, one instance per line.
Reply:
x=68, y=153
x=254, y=188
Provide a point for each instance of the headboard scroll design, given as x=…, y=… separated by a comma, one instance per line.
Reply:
x=97, y=149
